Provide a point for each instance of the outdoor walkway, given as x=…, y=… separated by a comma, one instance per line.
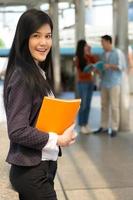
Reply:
x=96, y=167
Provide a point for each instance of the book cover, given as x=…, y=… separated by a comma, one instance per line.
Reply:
x=88, y=68
x=56, y=115
x=98, y=65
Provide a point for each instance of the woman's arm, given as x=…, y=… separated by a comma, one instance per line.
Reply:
x=18, y=110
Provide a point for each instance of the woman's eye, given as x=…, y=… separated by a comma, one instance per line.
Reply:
x=36, y=36
x=48, y=36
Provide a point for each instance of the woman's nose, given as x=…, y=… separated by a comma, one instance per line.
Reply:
x=43, y=41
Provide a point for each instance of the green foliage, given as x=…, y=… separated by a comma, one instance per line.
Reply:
x=2, y=44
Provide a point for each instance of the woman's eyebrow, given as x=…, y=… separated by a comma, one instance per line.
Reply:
x=49, y=33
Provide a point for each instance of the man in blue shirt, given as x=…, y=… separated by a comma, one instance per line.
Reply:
x=110, y=87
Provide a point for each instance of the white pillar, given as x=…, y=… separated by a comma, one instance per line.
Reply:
x=120, y=24
x=33, y=5
x=120, y=31
x=56, y=50
x=79, y=20
x=115, y=19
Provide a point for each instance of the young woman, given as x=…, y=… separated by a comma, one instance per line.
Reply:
x=84, y=83
x=32, y=154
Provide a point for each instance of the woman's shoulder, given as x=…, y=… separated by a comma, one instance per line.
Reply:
x=16, y=80
x=16, y=76
x=17, y=83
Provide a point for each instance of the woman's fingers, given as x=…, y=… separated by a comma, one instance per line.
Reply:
x=72, y=142
x=71, y=127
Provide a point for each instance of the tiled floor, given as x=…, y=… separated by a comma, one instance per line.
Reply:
x=96, y=167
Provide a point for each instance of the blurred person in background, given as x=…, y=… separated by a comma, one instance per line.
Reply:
x=111, y=78
x=84, y=83
x=130, y=59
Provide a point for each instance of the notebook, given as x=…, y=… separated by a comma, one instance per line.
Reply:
x=98, y=65
x=56, y=114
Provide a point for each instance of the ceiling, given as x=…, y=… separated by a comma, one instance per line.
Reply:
x=29, y=2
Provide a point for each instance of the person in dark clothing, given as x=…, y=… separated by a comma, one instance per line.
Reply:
x=32, y=154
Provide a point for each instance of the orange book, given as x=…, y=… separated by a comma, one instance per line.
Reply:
x=56, y=115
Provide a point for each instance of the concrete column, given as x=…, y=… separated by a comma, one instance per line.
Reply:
x=33, y=5
x=79, y=20
x=56, y=50
x=115, y=20
x=120, y=35
x=120, y=24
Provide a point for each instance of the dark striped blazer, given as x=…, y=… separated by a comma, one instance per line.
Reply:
x=26, y=142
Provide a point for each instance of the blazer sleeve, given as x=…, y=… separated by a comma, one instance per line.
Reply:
x=18, y=110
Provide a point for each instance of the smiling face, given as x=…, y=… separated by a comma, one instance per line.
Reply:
x=40, y=43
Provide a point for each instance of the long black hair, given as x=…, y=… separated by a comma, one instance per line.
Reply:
x=80, y=53
x=20, y=57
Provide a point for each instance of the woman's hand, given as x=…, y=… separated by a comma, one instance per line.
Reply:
x=68, y=137
x=107, y=66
